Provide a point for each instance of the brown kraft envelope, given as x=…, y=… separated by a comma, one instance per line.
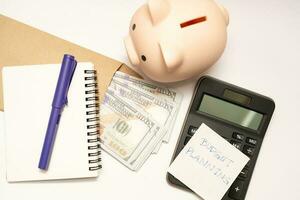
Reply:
x=21, y=44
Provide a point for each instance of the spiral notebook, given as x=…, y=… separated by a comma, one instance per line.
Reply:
x=28, y=94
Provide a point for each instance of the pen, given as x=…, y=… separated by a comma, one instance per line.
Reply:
x=59, y=101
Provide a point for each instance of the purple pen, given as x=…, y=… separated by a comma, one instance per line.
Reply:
x=59, y=101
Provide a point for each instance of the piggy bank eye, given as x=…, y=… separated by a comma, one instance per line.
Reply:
x=143, y=58
x=133, y=27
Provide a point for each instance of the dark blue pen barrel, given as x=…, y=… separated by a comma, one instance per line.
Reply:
x=64, y=78
x=60, y=99
x=49, y=138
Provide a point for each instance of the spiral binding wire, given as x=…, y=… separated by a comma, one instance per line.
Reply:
x=92, y=120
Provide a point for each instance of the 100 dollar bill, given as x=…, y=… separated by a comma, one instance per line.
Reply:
x=158, y=91
x=124, y=130
x=161, y=110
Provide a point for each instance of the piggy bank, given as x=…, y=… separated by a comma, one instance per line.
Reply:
x=174, y=40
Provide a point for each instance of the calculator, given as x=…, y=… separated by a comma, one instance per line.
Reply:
x=238, y=115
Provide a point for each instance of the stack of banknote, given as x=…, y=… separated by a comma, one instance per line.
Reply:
x=136, y=117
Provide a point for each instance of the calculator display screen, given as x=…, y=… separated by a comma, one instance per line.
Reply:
x=230, y=112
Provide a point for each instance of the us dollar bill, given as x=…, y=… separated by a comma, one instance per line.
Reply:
x=158, y=91
x=124, y=129
x=161, y=110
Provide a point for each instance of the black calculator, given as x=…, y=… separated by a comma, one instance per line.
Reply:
x=238, y=115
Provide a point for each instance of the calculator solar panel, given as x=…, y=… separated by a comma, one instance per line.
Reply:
x=238, y=115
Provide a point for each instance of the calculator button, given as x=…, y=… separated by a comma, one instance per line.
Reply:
x=187, y=139
x=251, y=141
x=236, y=190
x=238, y=136
x=244, y=173
x=192, y=130
x=248, y=163
x=236, y=144
x=249, y=151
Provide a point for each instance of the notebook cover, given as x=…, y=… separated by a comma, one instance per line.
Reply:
x=21, y=44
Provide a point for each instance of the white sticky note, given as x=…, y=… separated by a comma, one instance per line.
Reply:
x=208, y=164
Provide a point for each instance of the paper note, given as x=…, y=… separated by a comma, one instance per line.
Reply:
x=208, y=164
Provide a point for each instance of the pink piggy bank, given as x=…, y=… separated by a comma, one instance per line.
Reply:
x=174, y=40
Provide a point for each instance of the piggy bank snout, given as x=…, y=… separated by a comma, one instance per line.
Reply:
x=131, y=52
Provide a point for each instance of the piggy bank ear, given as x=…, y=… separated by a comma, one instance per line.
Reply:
x=159, y=9
x=172, y=55
x=225, y=13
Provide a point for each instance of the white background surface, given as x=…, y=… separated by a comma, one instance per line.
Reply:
x=262, y=55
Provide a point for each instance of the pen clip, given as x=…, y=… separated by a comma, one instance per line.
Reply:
x=71, y=77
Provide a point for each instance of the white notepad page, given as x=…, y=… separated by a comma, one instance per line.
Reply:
x=28, y=95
